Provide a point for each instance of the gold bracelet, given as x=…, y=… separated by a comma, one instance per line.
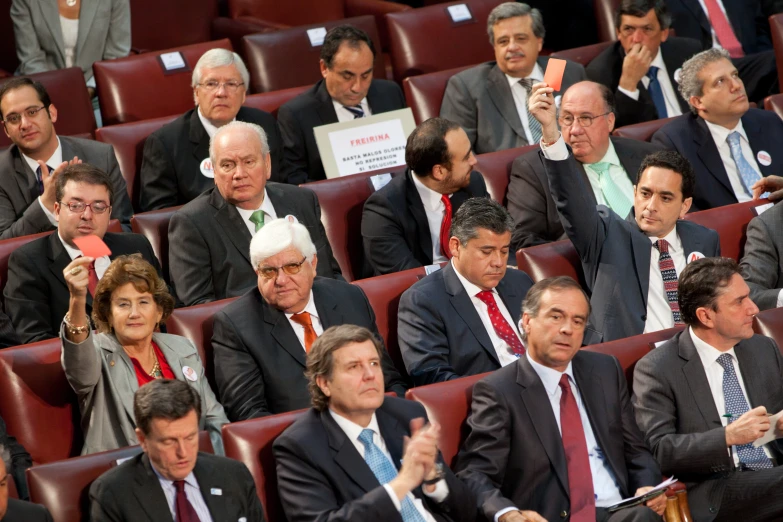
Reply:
x=75, y=330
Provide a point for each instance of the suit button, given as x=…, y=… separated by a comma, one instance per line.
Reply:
x=713, y=510
x=644, y=317
x=563, y=514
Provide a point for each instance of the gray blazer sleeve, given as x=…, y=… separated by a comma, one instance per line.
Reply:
x=32, y=221
x=81, y=363
x=460, y=108
x=761, y=264
x=118, y=39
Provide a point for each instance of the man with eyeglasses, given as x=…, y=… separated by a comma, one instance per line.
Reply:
x=630, y=263
x=209, y=237
x=11, y=509
x=176, y=166
x=38, y=155
x=607, y=163
x=260, y=341
x=36, y=296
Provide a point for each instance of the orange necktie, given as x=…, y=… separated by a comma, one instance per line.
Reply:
x=303, y=318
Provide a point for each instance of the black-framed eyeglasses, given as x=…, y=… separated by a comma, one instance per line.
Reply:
x=268, y=272
x=214, y=85
x=77, y=207
x=15, y=118
x=567, y=120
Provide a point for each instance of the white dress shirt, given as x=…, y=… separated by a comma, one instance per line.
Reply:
x=269, y=214
x=616, y=172
x=709, y=359
x=192, y=491
x=720, y=136
x=715, y=42
x=669, y=96
x=344, y=114
x=435, y=210
x=519, y=93
x=53, y=162
x=101, y=263
x=353, y=430
x=502, y=349
x=211, y=129
x=659, y=313
x=299, y=329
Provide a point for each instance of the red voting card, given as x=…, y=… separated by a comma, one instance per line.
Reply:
x=554, y=73
x=92, y=246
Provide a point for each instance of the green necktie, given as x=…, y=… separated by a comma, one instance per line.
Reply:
x=257, y=217
x=615, y=199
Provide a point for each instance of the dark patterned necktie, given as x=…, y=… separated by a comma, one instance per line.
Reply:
x=580, y=477
x=535, y=126
x=499, y=323
x=39, y=178
x=355, y=110
x=669, y=275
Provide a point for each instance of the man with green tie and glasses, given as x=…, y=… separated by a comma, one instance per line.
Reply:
x=209, y=238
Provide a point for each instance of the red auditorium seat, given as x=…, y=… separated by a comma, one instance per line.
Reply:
x=37, y=403
x=642, y=131
x=195, y=324
x=155, y=227
x=285, y=58
x=774, y=103
x=770, y=323
x=426, y=40
x=128, y=142
x=8, y=59
x=604, y=19
x=250, y=442
x=551, y=259
x=776, y=28
x=496, y=168
x=730, y=222
x=342, y=200
x=384, y=294
x=161, y=25
x=271, y=101
x=137, y=88
x=424, y=93
x=448, y=404
x=68, y=93
x=583, y=55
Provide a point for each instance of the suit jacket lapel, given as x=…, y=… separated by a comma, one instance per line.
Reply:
x=757, y=394
x=708, y=152
x=326, y=305
x=199, y=139
x=122, y=373
x=281, y=204
x=325, y=108
x=757, y=140
x=698, y=12
x=690, y=242
x=377, y=101
x=149, y=492
x=641, y=246
x=508, y=295
x=696, y=378
x=234, y=227
x=51, y=15
x=284, y=334
x=393, y=434
x=462, y=303
x=673, y=63
x=500, y=94
x=630, y=159
x=25, y=178
x=207, y=483
x=346, y=456
x=86, y=16
x=416, y=208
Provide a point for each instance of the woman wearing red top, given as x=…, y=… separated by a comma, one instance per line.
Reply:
x=105, y=369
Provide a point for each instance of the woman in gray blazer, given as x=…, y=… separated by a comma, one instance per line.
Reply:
x=105, y=369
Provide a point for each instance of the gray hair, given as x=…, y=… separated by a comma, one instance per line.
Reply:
x=690, y=84
x=476, y=213
x=219, y=58
x=532, y=302
x=512, y=10
x=259, y=132
x=278, y=235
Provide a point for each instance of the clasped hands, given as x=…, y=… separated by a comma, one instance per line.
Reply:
x=420, y=454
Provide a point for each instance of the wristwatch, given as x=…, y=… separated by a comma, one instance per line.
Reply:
x=440, y=473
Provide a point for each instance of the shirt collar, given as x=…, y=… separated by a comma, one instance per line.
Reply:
x=708, y=353
x=658, y=62
x=53, y=162
x=610, y=157
x=550, y=377
x=675, y=245
x=429, y=198
x=470, y=288
x=353, y=430
x=537, y=75
x=190, y=479
x=720, y=133
x=211, y=129
x=310, y=308
x=266, y=206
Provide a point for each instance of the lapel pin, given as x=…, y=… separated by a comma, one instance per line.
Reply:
x=216, y=491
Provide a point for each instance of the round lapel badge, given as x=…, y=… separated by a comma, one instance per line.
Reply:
x=764, y=158
x=291, y=218
x=693, y=256
x=189, y=373
x=677, y=75
x=206, y=168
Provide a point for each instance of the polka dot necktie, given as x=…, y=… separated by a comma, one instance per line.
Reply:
x=499, y=323
x=669, y=275
x=736, y=405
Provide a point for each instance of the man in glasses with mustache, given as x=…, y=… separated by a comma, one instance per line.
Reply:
x=261, y=340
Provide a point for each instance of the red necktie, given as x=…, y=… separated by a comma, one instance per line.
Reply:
x=580, y=478
x=185, y=511
x=93, y=279
x=303, y=319
x=445, y=227
x=499, y=323
x=723, y=31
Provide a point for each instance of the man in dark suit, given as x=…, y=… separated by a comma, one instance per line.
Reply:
x=630, y=265
x=462, y=320
x=357, y=455
x=171, y=480
x=489, y=100
x=583, y=452
x=597, y=154
x=33, y=163
x=17, y=462
x=176, y=166
x=36, y=295
x=11, y=509
x=261, y=339
x=730, y=145
x=406, y=223
x=702, y=398
x=348, y=91
x=209, y=238
x=762, y=262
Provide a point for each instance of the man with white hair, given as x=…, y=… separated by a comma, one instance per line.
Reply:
x=176, y=166
x=261, y=340
x=209, y=238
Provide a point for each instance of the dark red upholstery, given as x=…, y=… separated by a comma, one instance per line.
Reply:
x=774, y=103
x=128, y=142
x=285, y=58
x=604, y=19
x=271, y=101
x=426, y=40
x=448, y=404
x=551, y=259
x=496, y=168
x=155, y=227
x=250, y=442
x=195, y=324
x=642, y=131
x=135, y=88
x=384, y=294
x=37, y=403
x=731, y=223
x=776, y=29
x=424, y=93
x=8, y=58
x=583, y=55
x=68, y=93
x=7, y=246
x=161, y=25
x=770, y=323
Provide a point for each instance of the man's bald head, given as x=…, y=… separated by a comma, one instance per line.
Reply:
x=587, y=119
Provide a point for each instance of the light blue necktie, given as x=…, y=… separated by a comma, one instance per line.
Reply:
x=613, y=194
x=656, y=93
x=385, y=472
x=747, y=173
x=736, y=405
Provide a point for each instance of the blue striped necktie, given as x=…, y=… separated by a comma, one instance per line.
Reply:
x=356, y=110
